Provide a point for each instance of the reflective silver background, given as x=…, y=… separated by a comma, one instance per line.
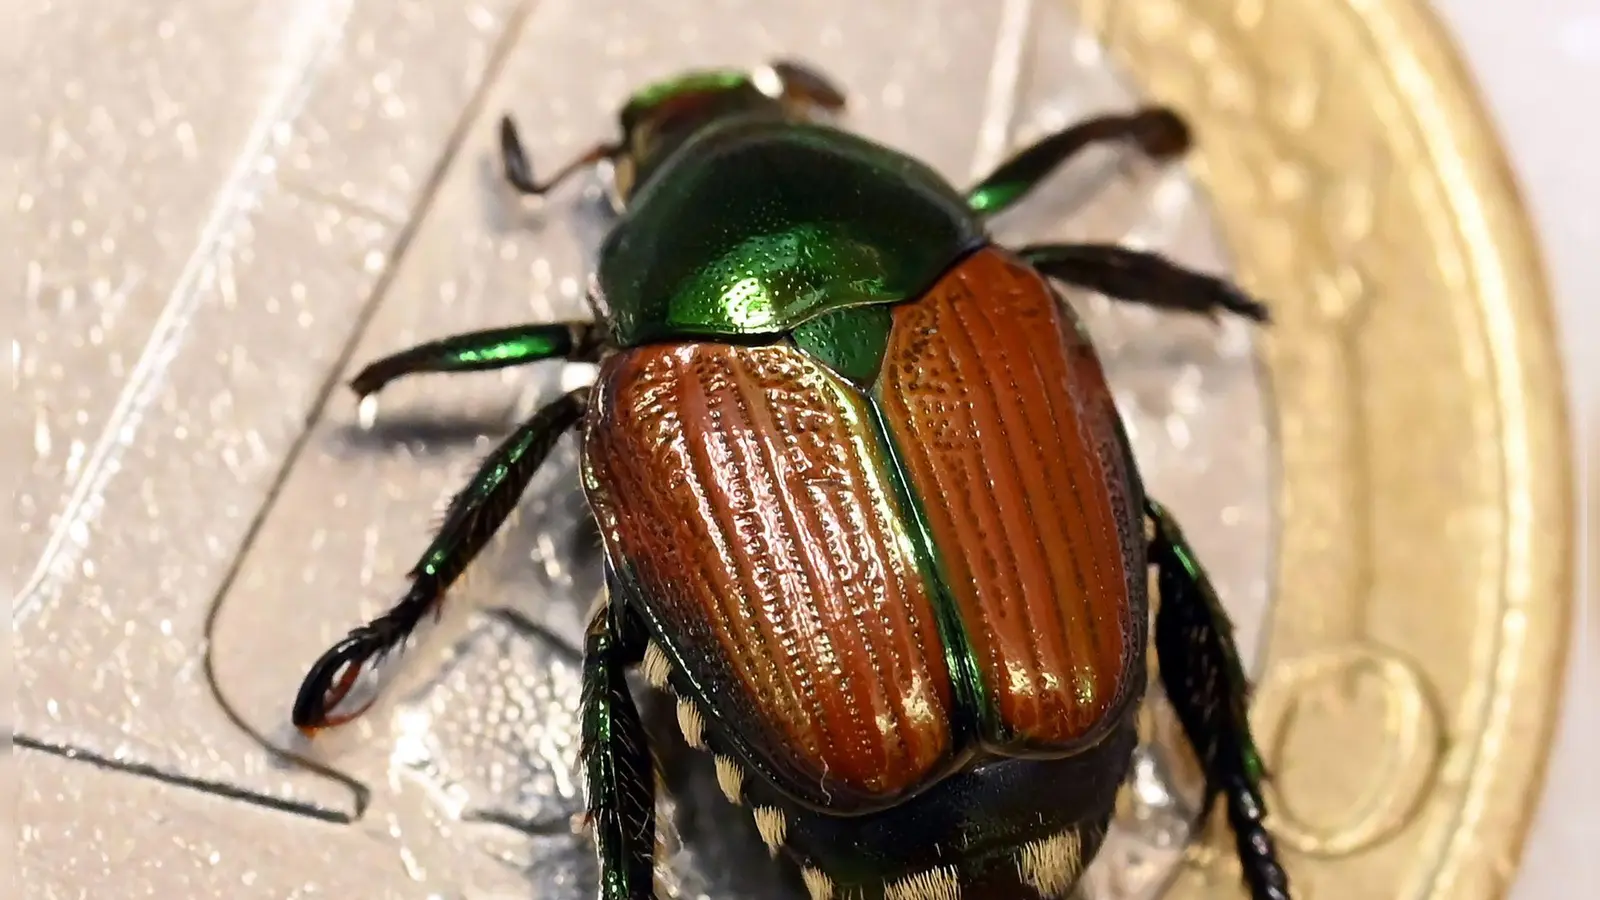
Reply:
x=233, y=204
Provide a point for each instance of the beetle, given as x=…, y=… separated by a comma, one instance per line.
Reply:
x=867, y=507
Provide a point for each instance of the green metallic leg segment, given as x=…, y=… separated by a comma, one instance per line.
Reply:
x=1206, y=684
x=618, y=767
x=1157, y=131
x=471, y=520
x=479, y=351
x=1140, y=277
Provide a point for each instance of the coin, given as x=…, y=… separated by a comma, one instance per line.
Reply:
x=1383, y=501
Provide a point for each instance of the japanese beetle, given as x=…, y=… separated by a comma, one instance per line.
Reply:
x=867, y=505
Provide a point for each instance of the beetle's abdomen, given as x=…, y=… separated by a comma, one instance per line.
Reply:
x=746, y=493
x=1010, y=436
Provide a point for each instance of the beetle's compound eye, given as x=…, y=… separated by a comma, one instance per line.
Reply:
x=341, y=686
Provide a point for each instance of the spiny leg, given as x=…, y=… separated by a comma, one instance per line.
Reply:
x=1206, y=685
x=518, y=171
x=618, y=768
x=478, y=351
x=470, y=522
x=1136, y=276
x=1157, y=131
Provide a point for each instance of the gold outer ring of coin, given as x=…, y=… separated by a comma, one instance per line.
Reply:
x=1413, y=665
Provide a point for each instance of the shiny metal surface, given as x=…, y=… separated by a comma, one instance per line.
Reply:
x=239, y=203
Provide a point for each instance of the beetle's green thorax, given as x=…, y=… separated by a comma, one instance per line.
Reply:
x=755, y=226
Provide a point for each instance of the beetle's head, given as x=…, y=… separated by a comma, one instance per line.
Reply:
x=659, y=118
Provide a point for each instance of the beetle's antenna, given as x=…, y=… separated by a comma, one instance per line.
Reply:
x=519, y=171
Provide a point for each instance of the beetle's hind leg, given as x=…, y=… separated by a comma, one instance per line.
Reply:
x=1136, y=276
x=481, y=351
x=1206, y=685
x=470, y=522
x=1157, y=131
x=618, y=767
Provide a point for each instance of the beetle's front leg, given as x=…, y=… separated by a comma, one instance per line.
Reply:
x=1137, y=276
x=479, y=351
x=618, y=767
x=1157, y=131
x=470, y=522
x=1206, y=685
x=519, y=172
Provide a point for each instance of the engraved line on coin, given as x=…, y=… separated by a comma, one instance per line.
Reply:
x=500, y=52
x=179, y=780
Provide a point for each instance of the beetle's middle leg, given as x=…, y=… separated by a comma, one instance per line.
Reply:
x=1136, y=276
x=1157, y=131
x=470, y=522
x=619, y=770
x=1206, y=685
x=480, y=351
